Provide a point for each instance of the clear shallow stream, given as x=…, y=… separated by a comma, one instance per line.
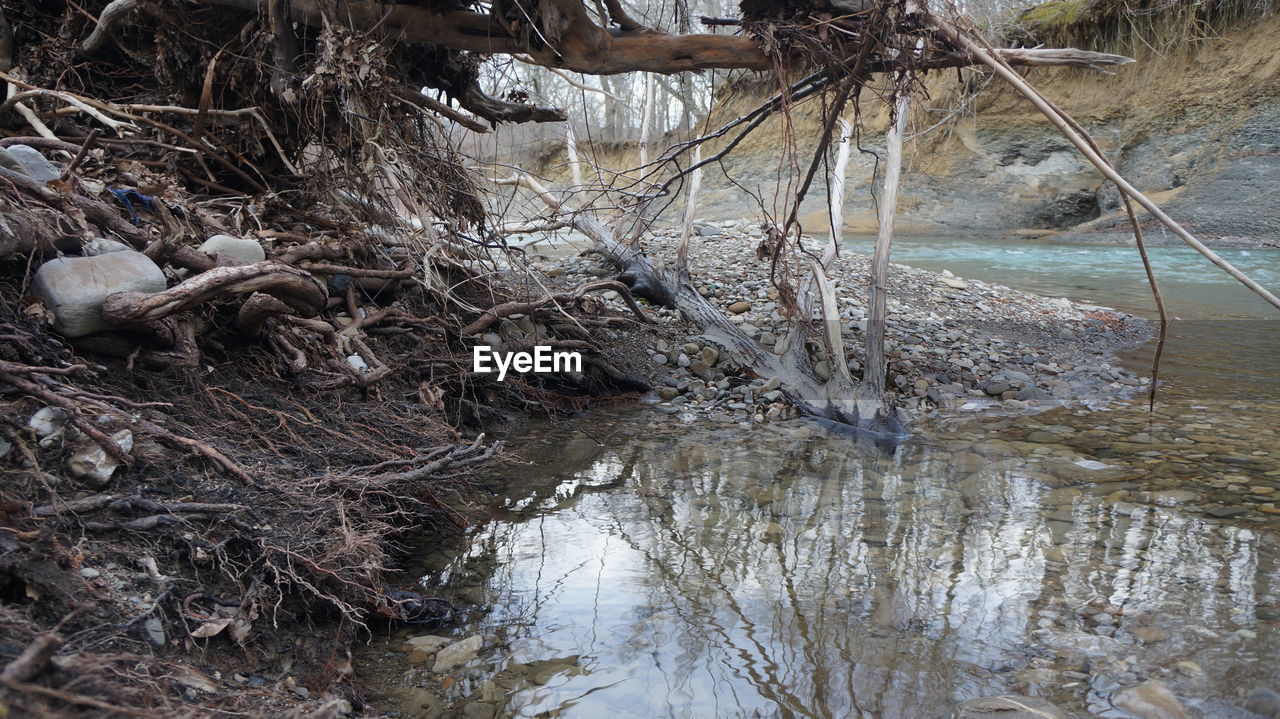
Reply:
x=704, y=570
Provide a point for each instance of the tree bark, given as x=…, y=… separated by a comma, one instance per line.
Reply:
x=587, y=48
x=874, y=398
x=297, y=289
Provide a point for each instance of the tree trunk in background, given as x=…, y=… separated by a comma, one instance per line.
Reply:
x=615, y=112
x=646, y=119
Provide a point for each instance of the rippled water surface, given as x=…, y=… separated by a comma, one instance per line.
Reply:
x=670, y=568
x=693, y=570
x=1224, y=340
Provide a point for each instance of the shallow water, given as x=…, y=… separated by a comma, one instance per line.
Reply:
x=702, y=569
x=1224, y=340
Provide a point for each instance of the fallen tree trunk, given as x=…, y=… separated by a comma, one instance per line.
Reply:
x=586, y=47
x=831, y=400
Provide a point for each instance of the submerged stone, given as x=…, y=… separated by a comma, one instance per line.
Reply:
x=1008, y=707
x=1150, y=700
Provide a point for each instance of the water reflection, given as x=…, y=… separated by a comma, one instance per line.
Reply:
x=708, y=572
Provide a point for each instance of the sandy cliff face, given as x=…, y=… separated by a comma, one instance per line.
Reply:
x=1197, y=127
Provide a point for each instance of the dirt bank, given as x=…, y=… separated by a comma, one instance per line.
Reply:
x=1196, y=126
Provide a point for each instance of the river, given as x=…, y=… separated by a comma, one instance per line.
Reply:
x=664, y=569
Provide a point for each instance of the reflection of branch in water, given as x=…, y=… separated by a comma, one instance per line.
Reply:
x=697, y=616
x=751, y=551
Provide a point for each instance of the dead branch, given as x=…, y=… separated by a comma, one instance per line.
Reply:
x=293, y=287
x=111, y=16
x=506, y=309
x=323, y=269
x=457, y=456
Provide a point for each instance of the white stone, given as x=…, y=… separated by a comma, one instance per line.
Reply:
x=428, y=643
x=245, y=252
x=90, y=463
x=47, y=421
x=457, y=654
x=73, y=288
x=40, y=169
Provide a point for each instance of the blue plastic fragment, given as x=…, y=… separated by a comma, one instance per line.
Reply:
x=128, y=197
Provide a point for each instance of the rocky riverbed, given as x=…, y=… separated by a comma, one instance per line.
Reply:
x=951, y=342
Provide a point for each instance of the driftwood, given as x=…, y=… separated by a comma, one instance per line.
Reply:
x=295, y=288
x=874, y=373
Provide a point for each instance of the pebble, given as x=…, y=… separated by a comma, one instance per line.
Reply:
x=1150, y=700
x=457, y=654
x=1149, y=635
x=1263, y=702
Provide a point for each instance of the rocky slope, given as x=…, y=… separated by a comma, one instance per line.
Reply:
x=951, y=342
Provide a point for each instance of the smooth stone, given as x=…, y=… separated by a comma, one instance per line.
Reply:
x=1171, y=497
x=155, y=631
x=9, y=162
x=659, y=359
x=739, y=307
x=39, y=168
x=953, y=283
x=47, y=421
x=457, y=654
x=245, y=252
x=73, y=288
x=1263, y=702
x=1008, y=707
x=428, y=643
x=823, y=370
x=1029, y=393
x=1189, y=668
x=995, y=389
x=691, y=348
x=1149, y=700
x=710, y=355
x=1149, y=635
x=479, y=710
